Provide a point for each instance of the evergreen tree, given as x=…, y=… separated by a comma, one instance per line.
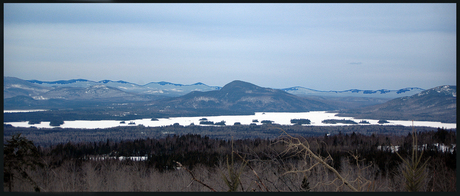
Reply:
x=20, y=154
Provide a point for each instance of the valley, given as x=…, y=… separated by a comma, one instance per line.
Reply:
x=81, y=128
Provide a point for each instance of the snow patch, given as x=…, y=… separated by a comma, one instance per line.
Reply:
x=264, y=100
x=21, y=87
x=39, y=98
x=206, y=99
x=100, y=86
x=152, y=91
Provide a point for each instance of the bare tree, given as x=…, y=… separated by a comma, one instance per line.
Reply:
x=302, y=148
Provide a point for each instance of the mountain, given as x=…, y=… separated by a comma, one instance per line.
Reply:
x=96, y=92
x=175, y=90
x=165, y=98
x=382, y=93
x=436, y=104
x=60, y=82
x=22, y=94
x=153, y=88
x=243, y=97
x=13, y=87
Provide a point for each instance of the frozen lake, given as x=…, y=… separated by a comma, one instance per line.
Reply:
x=282, y=118
x=16, y=111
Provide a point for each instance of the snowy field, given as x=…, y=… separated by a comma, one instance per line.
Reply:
x=283, y=118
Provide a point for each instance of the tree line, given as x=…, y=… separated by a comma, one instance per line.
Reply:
x=52, y=136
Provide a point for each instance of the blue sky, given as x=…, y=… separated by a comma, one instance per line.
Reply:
x=319, y=46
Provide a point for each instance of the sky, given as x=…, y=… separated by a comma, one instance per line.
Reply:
x=318, y=46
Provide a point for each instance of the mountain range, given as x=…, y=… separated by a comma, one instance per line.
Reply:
x=167, y=89
x=152, y=88
x=436, y=104
x=164, y=98
x=381, y=93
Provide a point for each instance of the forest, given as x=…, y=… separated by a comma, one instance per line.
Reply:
x=352, y=160
x=51, y=136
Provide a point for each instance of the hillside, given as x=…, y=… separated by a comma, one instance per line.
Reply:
x=96, y=92
x=436, y=104
x=243, y=96
x=13, y=87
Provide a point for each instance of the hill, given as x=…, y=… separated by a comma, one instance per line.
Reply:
x=436, y=104
x=244, y=97
x=96, y=92
x=13, y=87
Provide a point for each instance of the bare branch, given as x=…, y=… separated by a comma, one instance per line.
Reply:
x=254, y=172
x=193, y=177
x=295, y=143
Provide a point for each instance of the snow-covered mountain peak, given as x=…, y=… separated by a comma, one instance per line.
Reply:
x=445, y=90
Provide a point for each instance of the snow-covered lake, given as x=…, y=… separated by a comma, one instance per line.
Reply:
x=283, y=118
x=16, y=111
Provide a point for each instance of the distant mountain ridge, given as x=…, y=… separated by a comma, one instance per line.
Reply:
x=173, y=89
x=435, y=104
x=73, y=81
x=59, y=81
x=153, y=88
x=382, y=93
x=96, y=92
x=165, y=98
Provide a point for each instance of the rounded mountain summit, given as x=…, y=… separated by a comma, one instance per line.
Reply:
x=240, y=96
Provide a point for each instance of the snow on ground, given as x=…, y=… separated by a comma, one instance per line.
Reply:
x=132, y=158
x=283, y=118
x=439, y=147
x=15, y=111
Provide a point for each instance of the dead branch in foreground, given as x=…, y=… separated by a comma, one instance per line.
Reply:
x=295, y=143
x=193, y=177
